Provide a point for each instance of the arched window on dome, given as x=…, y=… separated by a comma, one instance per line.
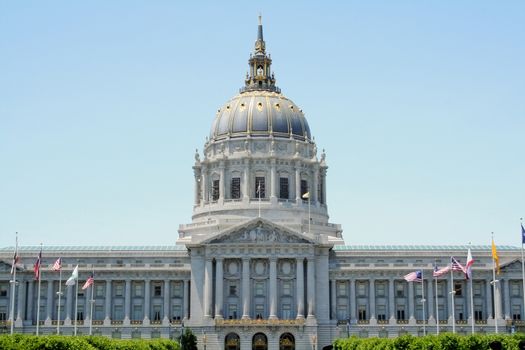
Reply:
x=304, y=190
x=235, y=188
x=260, y=187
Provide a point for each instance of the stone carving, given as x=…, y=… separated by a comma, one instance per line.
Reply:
x=260, y=234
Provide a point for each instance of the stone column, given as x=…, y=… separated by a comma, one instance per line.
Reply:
x=506, y=298
x=204, y=183
x=323, y=184
x=208, y=283
x=49, y=308
x=411, y=300
x=246, y=299
x=333, y=299
x=87, y=303
x=21, y=307
x=352, y=300
x=222, y=182
x=298, y=183
x=197, y=176
x=430, y=299
x=127, y=302
x=185, y=298
x=69, y=302
x=273, y=181
x=391, y=299
x=315, y=185
x=300, y=287
x=273, y=288
x=166, y=306
x=219, y=289
x=147, y=301
x=107, y=302
x=246, y=181
x=488, y=299
x=311, y=287
x=372, y=299
x=497, y=299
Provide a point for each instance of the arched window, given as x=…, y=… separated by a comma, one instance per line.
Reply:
x=260, y=342
x=287, y=342
x=232, y=341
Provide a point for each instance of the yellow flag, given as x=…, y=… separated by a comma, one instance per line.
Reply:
x=495, y=256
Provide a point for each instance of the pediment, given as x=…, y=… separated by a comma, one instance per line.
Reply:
x=512, y=266
x=259, y=231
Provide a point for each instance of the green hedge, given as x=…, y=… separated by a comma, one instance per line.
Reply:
x=446, y=341
x=57, y=342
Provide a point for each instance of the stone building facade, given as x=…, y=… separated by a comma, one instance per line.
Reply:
x=260, y=266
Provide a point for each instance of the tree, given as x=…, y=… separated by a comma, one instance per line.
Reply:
x=188, y=341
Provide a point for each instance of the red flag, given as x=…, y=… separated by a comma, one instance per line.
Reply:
x=57, y=265
x=37, y=266
x=16, y=258
x=89, y=282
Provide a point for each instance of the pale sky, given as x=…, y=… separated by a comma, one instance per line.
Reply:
x=419, y=105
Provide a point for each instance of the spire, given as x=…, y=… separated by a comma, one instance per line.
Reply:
x=260, y=76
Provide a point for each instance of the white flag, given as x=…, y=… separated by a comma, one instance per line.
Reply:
x=73, y=279
x=306, y=195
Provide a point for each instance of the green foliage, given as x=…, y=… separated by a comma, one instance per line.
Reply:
x=445, y=341
x=188, y=340
x=55, y=342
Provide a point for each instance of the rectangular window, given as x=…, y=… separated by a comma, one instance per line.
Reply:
x=459, y=312
x=118, y=312
x=361, y=289
x=80, y=313
x=99, y=312
x=457, y=289
x=232, y=311
x=99, y=290
x=381, y=312
x=400, y=312
x=516, y=312
x=177, y=290
x=137, y=313
x=341, y=289
x=380, y=289
x=236, y=188
x=157, y=290
x=477, y=289
x=286, y=312
x=287, y=288
x=418, y=289
x=284, y=193
x=259, y=311
x=304, y=188
x=260, y=189
x=215, y=190
x=342, y=312
x=119, y=289
x=361, y=309
x=233, y=289
x=3, y=315
x=478, y=315
x=177, y=312
x=515, y=289
x=3, y=290
x=259, y=289
x=156, y=312
x=137, y=290
x=400, y=290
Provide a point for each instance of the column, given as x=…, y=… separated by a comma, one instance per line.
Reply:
x=411, y=299
x=323, y=184
x=391, y=299
x=430, y=299
x=315, y=185
x=497, y=299
x=127, y=301
x=107, y=302
x=273, y=181
x=185, y=298
x=298, y=183
x=166, y=306
x=49, y=308
x=246, y=180
x=333, y=299
x=208, y=275
x=204, y=184
x=352, y=300
x=219, y=289
x=21, y=301
x=246, y=299
x=273, y=288
x=488, y=299
x=222, y=183
x=69, y=302
x=311, y=286
x=300, y=287
x=147, y=300
x=372, y=298
x=197, y=176
x=506, y=298
x=87, y=303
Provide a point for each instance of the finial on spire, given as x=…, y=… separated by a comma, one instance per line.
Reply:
x=260, y=19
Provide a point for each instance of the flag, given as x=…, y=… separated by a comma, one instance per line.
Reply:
x=38, y=264
x=440, y=271
x=413, y=276
x=306, y=195
x=73, y=279
x=89, y=282
x=57, y=265
x=455, y=265
x=522, y=234
x=468, y=266
x=495, y=255
x=16, y=258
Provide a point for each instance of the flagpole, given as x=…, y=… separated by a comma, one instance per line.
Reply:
x=437, y=306
x=452, y=292
x=38, y=294
x=423, y=302
x=522, y=262
x=76, y=306
x=494, y=290
x=471, y=292
x=92, y=301
x=13, y=287
x=259, y=193
x=59, y=298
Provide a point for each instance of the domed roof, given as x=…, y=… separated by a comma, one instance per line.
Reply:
x=260, y=114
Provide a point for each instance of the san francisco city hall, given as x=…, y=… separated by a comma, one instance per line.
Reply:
x=260, y=266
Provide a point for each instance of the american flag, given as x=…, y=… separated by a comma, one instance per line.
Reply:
x=440, y=271
x=38, y=264
x=16, y=258
x=456, y=266
x=413, y=276
x=57, y=265
x=89, y=282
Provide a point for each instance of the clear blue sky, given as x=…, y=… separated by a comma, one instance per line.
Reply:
x=420, y=106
